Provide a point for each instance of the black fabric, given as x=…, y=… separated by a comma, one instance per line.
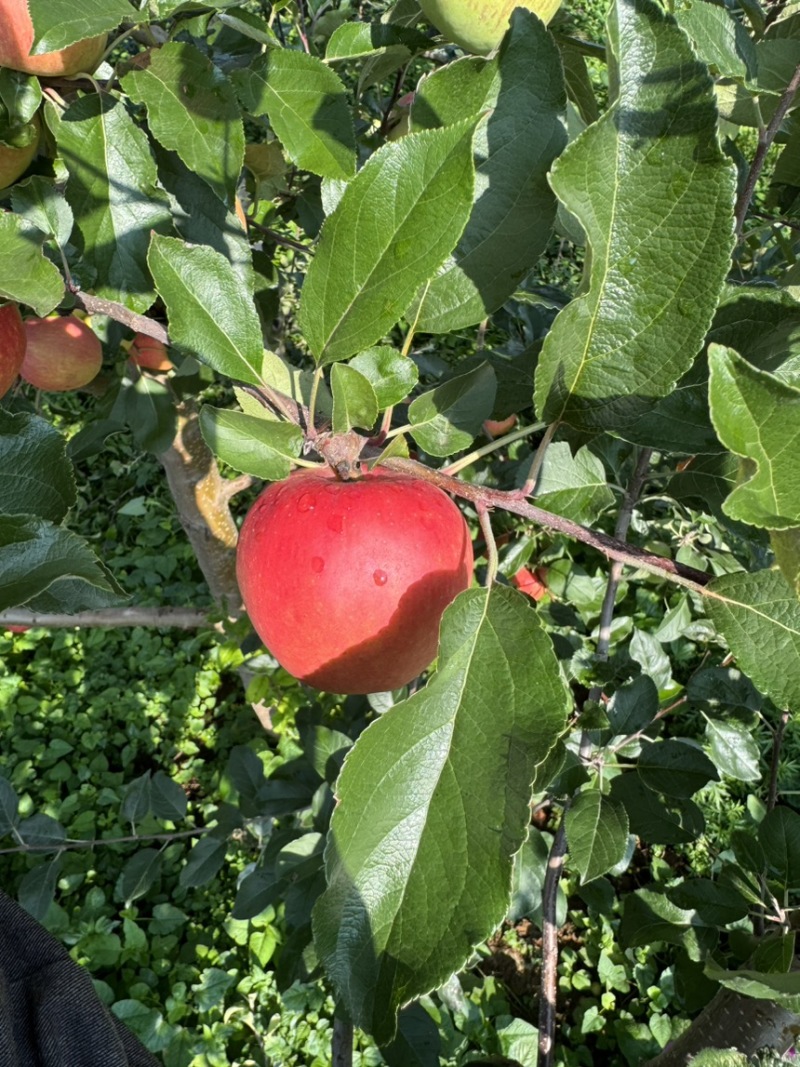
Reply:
x=50, y=1015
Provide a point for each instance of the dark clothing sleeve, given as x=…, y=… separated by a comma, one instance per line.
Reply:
x=50, y=1015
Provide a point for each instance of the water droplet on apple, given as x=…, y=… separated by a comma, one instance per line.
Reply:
x=306, y=502
x=317, y=564
x=335, y=523
x=380, y=577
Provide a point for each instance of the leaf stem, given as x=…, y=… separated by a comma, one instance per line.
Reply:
x=485, y=450
x=484, y=518
x=538, y=459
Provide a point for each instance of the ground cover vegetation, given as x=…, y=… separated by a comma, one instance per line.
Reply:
x=557, y=282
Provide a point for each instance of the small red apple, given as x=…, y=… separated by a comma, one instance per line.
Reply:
x=150, y=353
x=16, y=40
x=346, y=581
x=63, y=353
x=12, y=346
x=18, y=629
x=531, y=583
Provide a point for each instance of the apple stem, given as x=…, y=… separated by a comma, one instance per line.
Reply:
x=538, y=459
x=485, y=450
x=484, y=518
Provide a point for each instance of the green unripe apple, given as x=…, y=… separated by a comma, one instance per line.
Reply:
x=478, y=26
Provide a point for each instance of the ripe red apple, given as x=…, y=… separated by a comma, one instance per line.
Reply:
x=12, y=346
x=346, y=581
x=150, y=353
x=63, y=353
x=498, y=427
x=16, y=40
x=531, y=583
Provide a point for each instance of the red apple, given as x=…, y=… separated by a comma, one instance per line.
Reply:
x=12, y=346
x=18, y=629
x=531, y=583
x=498, y=427
x=150, y=353
x=16, y=40
x=63, y=353
x=346, y=581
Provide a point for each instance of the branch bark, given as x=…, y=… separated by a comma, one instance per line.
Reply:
x=112, y=618
x=549, y=983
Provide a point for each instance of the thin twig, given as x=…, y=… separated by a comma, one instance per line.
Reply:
x=111, y=618
x=765, y=138
x=513, y=501
x=485, y=520
x=63, y=846
x=279, y=238
x=538, y=459
x=549, y=986
x=95, y=305
x=342, y=1041
x=398, y=85
x=639, y=734
x=777, y=742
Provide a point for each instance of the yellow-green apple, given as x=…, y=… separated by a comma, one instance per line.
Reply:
x=12, y=346
x=478, y=26
x=346, y=581
x=16, y=40
x=62, y=353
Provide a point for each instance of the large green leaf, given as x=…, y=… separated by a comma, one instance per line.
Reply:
x=779, y=836
x=393, y=228
x=113, y=192
x=759, y=617
x=720, y=39
x=25, y=275
x=60, y=23
x=36, y=478
x=191, y=109
x=757, y=417
x=35, y=554
x=446, y=419
x=573, y=486
x=210, y=314
x=433, y=805
x=307, y=107
x=522, y=89
x=654, y=193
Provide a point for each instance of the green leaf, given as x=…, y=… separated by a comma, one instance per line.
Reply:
x=675, y=767
x=734, y=749
x=657, y=819
x=34, y=554
x=167, y=799
x=650, y=916
x=45, y=207
x=757, y=417
x=136, y=802
x=715, y=904
x=41, y=830
x=9, y=805
x=634, y=706
x=417, y=1042
x=720, y=40
x=26, y=277
x=573, y=486
x=249, y=444
x=354, y=400
x=393, y=228
x=35, y=475
x=448, y=418
x=446, y=779
x=759, y=617
x=148, y=1024
x=38, y=888
x=60, y=23
x=307, y=107
x=20, y=96
x=786, y=546
x=192, y=110
x=149, y=409
x=597, y=834
x=391, y=374
x=358, y=40
x=783, y=989
x=625, y=342
x=779, y=836
x=139, y=874
x=205, y=860
x=113, y=191
x=201, y=218
x=522, y=89
x=651, y=657
x=211, y=316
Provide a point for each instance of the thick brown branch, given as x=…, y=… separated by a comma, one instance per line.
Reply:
x=95, y=305
x=111, y=618
x=517, y=505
